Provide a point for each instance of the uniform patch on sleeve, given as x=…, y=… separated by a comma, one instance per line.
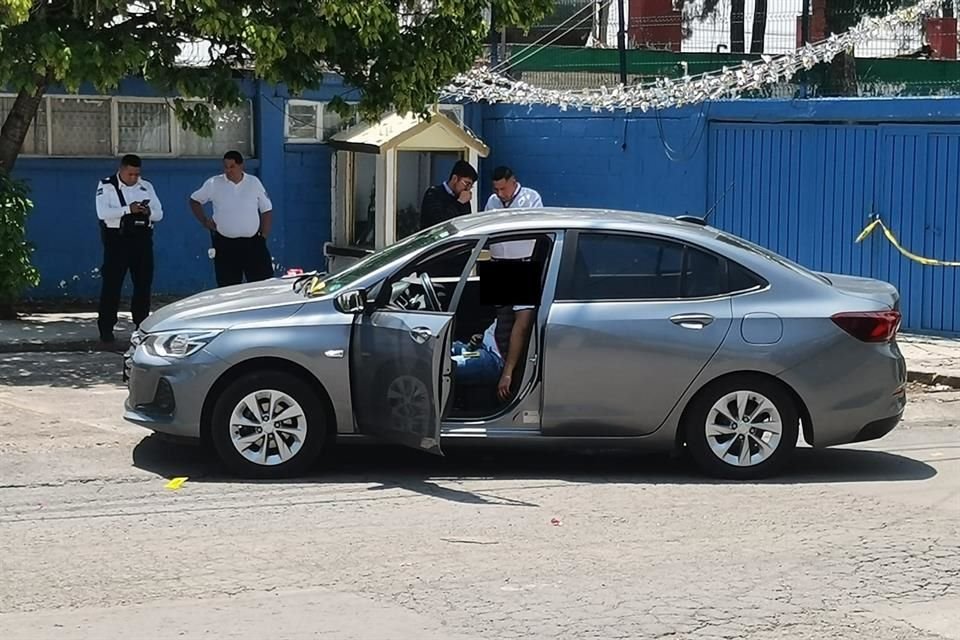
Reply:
x=100, y=191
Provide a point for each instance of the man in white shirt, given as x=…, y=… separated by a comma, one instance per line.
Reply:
x=513, y=324
x=508, y=193
x=242, y=216
x=127, y=207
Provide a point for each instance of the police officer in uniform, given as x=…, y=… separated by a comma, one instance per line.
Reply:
x=127, y=207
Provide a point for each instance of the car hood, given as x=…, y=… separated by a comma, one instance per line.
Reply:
x=228, y=307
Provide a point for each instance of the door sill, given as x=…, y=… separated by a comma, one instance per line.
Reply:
x=479, y=430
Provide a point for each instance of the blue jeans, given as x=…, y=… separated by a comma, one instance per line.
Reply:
x=480, y=367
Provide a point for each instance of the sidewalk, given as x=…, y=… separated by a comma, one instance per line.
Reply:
x=930, y=360
x=59, y=332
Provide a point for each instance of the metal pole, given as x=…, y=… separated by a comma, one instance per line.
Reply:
x=804, y=39
x=622, y=41
x=494, y=41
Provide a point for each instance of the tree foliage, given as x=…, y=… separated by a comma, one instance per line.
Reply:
x=16, y=271
x=396, y=52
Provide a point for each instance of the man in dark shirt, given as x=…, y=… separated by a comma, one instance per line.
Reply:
x=450, y=199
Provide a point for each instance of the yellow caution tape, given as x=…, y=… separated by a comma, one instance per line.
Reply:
x=175, y=483
x=899, y=247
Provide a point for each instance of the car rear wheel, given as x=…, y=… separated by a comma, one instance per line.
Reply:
x=268, y=424
x=742, y=428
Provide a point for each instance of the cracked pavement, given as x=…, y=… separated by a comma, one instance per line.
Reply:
x=855, y=542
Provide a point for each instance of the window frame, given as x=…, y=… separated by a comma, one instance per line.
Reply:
x=115, y=150
x=564, y=289
x=317, y=126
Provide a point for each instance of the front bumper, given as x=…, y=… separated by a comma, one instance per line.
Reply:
x=167, y=395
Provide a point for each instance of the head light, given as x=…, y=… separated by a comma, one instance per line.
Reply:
x=178, y=344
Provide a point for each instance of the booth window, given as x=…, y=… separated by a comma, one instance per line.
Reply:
x=416, y=172
x=363, y=201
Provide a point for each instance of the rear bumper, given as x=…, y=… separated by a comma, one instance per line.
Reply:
x=877, y=429
x=855, y=393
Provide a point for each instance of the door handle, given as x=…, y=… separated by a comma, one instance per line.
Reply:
x=420, y=334
x=692, y=320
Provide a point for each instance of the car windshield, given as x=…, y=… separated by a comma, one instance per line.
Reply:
x=770, y=255
x=385, y=256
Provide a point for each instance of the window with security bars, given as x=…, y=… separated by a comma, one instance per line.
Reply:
x=231, y=132
x=144, y=128
x=303, y=121
x=35, y=144
x=80, y=127
x=308, y=121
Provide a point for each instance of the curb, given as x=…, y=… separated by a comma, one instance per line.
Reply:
x=925, y=377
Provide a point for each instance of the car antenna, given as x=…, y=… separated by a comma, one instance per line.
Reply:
x=706, y=216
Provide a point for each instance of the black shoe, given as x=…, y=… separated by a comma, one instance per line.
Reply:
x=107, y=339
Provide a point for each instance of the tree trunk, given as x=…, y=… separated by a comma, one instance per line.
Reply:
x=15, y=128
x=737, y=9
x=843, y=75
x=759, y=31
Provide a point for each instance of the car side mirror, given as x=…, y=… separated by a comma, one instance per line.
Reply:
x=351, y=302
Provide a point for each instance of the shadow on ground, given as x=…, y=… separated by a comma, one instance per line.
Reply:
x=70, y=370
x=390, y=467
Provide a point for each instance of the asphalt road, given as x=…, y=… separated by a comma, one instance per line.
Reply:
x=857, y=542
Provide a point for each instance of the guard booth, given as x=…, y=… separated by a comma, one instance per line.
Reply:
x=380, y=172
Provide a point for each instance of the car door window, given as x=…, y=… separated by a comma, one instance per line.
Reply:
x=623, y=267
x=609, y=266
x=406, y=290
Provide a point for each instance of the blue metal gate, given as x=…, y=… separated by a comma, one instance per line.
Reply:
x=807, y=190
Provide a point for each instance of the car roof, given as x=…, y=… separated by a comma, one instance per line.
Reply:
x=575, y=218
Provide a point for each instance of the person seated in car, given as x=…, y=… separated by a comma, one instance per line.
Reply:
x=481, y=361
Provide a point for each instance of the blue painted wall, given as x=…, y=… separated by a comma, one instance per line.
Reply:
x=805, y=175
x=63, y=226
x=800, y=177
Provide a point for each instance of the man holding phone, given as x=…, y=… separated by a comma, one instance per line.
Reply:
x=127, y=207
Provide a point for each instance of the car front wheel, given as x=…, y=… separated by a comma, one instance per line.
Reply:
x=268, y=424
x=742, y=428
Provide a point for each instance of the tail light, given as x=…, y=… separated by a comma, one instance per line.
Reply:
x=870, y=326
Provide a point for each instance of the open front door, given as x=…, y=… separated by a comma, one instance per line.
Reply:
x=401, y=375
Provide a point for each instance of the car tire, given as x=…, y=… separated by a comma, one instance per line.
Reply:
x=716, y=432
x=291, y=445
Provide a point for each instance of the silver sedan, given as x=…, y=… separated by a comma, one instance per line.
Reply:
x=648, y=331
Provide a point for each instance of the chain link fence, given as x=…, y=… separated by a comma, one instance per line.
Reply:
x=577, y=46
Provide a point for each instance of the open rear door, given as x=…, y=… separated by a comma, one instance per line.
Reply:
x=401, y=375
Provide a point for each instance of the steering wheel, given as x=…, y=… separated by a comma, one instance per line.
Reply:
x=431, y=293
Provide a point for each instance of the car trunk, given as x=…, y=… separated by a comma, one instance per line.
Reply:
x=883, y=293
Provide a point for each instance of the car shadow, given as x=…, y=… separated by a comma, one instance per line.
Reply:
x=388, y=467
x=73, y=370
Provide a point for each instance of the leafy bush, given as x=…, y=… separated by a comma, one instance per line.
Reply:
x=16, y=271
